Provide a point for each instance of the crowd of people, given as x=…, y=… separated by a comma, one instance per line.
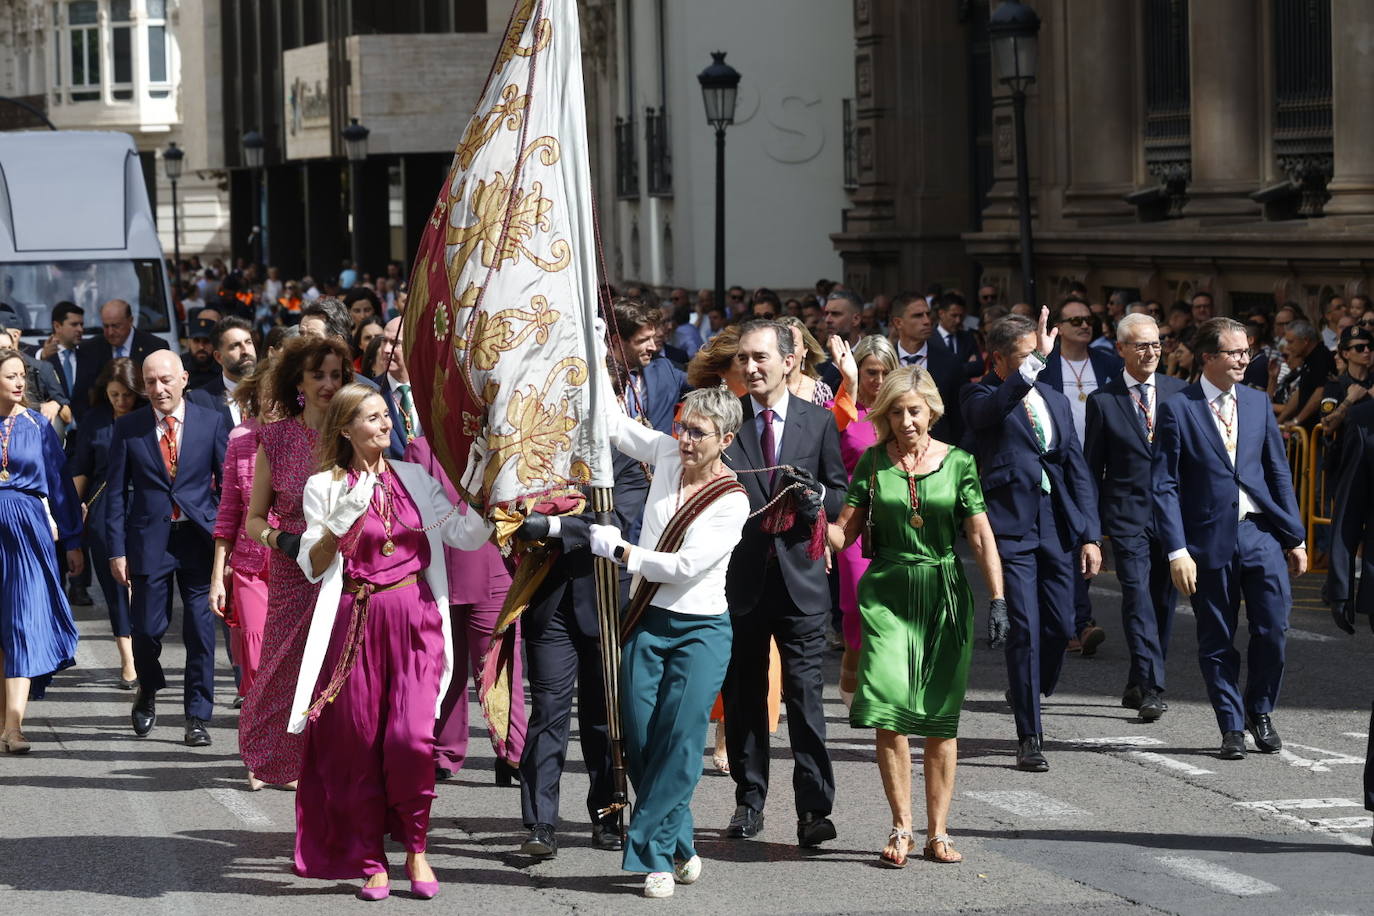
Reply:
x=794, y=476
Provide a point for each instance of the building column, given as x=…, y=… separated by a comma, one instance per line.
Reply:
x=1352, y=86
x=1226, y=93
x=1104, y=118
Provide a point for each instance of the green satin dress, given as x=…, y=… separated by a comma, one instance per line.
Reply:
x=915, y=604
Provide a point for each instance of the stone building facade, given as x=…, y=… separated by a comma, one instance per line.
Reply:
x=1174, y=145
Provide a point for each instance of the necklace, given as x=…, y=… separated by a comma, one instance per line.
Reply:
x=912, y=492
x=1078, y=375
x=1228, y=424
x=387, y=510
x=7, y=431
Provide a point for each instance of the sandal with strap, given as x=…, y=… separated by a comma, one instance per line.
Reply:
x=897, y=836
x=950, y=855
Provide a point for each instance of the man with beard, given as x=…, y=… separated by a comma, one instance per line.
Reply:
x=235, y=356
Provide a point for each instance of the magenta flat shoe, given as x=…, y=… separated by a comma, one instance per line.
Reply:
x=425, y=890
x=380, y=892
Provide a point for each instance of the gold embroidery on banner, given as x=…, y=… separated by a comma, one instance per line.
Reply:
x=540, y=429
x=495, y=333
x=519, y=21
x=511, y=109
x=529, y=212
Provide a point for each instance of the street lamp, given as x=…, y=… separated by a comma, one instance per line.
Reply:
x=171, y=162
x=720, y=92
x=355, y=144
x=1012, y=31
x=253, y=146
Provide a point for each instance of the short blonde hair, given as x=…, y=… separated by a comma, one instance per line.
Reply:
x=901, y=382
x=880, y=348
x=716, y=405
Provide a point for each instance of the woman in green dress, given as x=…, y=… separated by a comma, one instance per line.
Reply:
x=915, y=604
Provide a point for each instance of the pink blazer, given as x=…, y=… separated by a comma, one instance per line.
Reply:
x=245, y=555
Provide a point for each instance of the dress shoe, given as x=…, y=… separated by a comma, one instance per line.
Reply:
x=1152, y=706
x=237, y=704
x=442, y=773
x=608, y=836
x=745, y=824
x=144, y=714
x=507, y=774
x=1261, y=728
x=196, y=733
x=425, y=890
x=1132, y=696
x=1089, y=639
x=1029, y=756
x=14, y=742
x=1232, y=745
x=127, y=685
x=380, y=892
x=78, y=596
x=540, y=842
x=814, y=829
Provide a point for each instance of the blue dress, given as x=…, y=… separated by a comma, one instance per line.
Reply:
x=91, y=459
x=37, y=632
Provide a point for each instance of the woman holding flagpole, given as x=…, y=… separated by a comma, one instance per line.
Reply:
x=379, y=652
x=675, y=628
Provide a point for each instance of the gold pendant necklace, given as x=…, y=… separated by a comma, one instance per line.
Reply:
x=912, y=492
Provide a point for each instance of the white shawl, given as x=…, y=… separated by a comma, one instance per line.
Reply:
x=463, y=530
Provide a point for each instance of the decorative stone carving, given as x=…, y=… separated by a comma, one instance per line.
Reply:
x=1309, y=173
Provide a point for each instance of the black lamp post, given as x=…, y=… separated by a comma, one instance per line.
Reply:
x=1013, y=30
x=720, y=92
x=355, y=144
x=253, y=146
x=171, y=162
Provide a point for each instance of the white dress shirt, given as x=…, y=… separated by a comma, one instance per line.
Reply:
x=922, y=356
x=178, y=414
x=691, y=579
x=1034, y=400
x=1079, y=381
x=1134, y=387
x=235, y=412
x=396, y=390
x=779, y=420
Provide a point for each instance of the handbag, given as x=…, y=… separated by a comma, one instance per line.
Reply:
x=868, y=542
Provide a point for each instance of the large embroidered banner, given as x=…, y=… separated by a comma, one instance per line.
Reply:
x=504, y=289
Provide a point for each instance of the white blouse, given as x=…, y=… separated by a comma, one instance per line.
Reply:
x=693, y=577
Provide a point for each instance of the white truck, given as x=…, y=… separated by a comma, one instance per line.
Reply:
x=76, y=225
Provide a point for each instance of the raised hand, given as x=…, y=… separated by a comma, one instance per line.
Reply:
x=1045, y=336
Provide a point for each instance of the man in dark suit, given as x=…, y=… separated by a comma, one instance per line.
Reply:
x=950, y=312
x=235, y=356
x=1121, y=426
x=169, y=457
x=776, y=592
x=918, y=345
x=1041, y=503
x=394, y=386
x=1352, y=526
x=1228, y=519
x=68, y=325
x=118, y=338
x=1076, y=369
x=652, y=384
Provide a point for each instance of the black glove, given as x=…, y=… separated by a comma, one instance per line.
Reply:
x=808, y=495
x=535, y=527
x=999, y=624
x=289, y=544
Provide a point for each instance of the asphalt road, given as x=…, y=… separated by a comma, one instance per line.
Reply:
x=1130, y=818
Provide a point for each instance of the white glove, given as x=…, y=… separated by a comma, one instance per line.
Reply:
x=351, y=505
x=605, y=539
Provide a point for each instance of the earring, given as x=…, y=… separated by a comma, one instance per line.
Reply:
x=300, y=398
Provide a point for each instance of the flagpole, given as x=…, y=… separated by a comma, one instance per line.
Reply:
x=607, y=578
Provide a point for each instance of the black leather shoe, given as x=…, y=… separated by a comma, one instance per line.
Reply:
x=1233, y=745
x=1029, y=756
x=1151, y=706
x=196, y=733
x=442, y=773
x=745, y=824
x=609, y=836
x=1266, y=737
x=814, y=829
x=1132, y=697
x=506, y=774
x=144, y=714
x=78, y=596
x=540, y=842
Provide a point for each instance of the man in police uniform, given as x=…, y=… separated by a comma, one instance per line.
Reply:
x=1345, y=391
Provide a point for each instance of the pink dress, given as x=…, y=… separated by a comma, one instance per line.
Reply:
x=369, y=756
x=855, y=439
x=270, y=751
x=247, y=559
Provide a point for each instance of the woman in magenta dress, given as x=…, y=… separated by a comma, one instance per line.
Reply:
x=305, y=378
x=863, y=370
x=379, y=654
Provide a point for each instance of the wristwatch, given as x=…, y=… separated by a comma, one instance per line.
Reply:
x=619, y=553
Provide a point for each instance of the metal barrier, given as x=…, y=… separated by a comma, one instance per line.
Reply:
x=1321, y=497
x=1296, y=444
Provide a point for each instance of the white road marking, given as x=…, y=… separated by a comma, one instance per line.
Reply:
x=1217, y=877
x=1298, y=804
x=1108, y=743
x=1031, y=805
x=240, y=807
x=1358, y=822
x=1315, y=826
x=1356, y=734
x=1326, y=761
x=1309, y=636
x=1169, y=763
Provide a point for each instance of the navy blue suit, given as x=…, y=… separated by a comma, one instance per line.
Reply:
x=948, y=372
x=1118, y=451
x=964, y=348
x=662, y=385
x=1038, y=534
x=157, y=548
x=1197, y=506
x=392, y=397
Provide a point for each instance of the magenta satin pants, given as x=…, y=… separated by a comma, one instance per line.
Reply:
x=369, y=757
x=472, y=626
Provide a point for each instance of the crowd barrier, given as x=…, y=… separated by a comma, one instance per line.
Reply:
x=1314, y=490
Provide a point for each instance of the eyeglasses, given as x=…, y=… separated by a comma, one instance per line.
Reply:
x=1148, y=346
x=765, y=316
x=1077, y=321
x=691, y=432
x=1237, y=354
x=1358, y=348
x=737, y=296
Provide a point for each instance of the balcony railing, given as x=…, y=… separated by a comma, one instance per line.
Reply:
x=626, y=160
x=851, y=148
x=659, y=153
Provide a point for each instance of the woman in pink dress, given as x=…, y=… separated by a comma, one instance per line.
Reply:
x=304, y=379
x=863, y=370
x=379, y=655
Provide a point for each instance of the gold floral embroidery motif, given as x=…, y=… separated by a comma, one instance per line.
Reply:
x=511, y=109
x=494, y=333
x=540, y=429
x=519, y=21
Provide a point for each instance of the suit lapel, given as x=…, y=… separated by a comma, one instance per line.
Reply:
x=1202, y=414
x=794, y=430
x=749, y=445
x=153, y=441
x=1130, y=409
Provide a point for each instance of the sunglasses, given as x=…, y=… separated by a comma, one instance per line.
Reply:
x=1077, y=321
x=765, y=316
x=737, y=296
x=987, y=298
x=691, y=432
x=1358, y=348
x=1165, y=338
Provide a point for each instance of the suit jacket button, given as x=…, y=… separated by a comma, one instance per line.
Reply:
x=1235, y=505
